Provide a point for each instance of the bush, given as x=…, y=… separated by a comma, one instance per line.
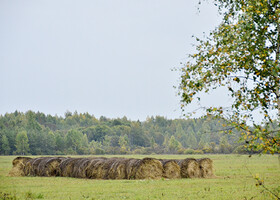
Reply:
x=192, y=151
x=181, y=151
x=189, y=151
x=99, y=151
x=198, y=151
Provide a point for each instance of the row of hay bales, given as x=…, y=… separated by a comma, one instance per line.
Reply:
x=112, y=168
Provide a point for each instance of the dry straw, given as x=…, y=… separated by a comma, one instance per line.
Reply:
x=171, y=169
x=112, y=168
x=32, y=166
x=118, y=169
x=18, y=166
x=146, y=168
x=80, y=167
x=189, y=168
x=49, y=166
x=206, y=167
x=66, y=167
x=95, y=168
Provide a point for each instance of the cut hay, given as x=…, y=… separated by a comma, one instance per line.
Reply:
x=112, y=168
x=118, y=169
x=32, y=166
x=95, y=168
x=66, y=167
x=189, y=168
x=107, y=164
x=146, y=168
x=206, y=167
x=171, y=169
x=49, y=166
x=18, y=166
x=80, y=167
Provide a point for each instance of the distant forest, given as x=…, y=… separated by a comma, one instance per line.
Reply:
x=81, y=133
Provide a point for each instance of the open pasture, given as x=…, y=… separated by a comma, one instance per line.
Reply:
x=235, y=180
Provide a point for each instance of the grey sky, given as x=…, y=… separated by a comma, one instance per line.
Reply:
x=105, y=57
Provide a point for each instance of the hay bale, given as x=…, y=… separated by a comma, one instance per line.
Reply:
x=32, y=166
x=146, y=168
x=107, y=166
x=118, y=169
x=206, y=167
x=171, y=169
x=99, y=168
x=66, y=167
x=131, y=168
x=18, y=166
x=189, y=168
x=94, y=168
x=49, y=166
x=81, y=167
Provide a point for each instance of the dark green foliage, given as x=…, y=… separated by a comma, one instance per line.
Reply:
x=37, y=133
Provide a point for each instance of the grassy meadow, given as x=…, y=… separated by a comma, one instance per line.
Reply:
x=235, y=180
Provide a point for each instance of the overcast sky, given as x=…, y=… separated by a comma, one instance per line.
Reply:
x=105, y=57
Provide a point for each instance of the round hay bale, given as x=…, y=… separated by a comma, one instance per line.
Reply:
x=80, y=167
x=118, y=169
x=94, y=168
x=27, y=168
x=99, y=169
x=20, y=160
x=131, y=167
x=171, y=169
x=146, y=168
x=18, y=166
x=32, y=166
x=206, y=167
x=50, y=166
x=66, y=167
x=107, y=165
x=189, y=168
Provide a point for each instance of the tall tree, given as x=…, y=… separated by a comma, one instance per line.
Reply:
x=22, y=143
x=73, y=140
x=173, y=145
x=241, y=55
x=5, y=145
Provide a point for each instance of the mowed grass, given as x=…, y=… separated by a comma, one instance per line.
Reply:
x=235, y=180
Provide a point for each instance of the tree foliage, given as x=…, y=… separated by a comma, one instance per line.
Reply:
x=22, y=145
x=241, y=55
x=40, y=134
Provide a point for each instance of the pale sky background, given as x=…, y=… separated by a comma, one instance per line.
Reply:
x=104, y=57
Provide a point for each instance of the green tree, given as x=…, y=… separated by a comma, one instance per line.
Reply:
x=5, y=145
x=179, y=131
x=98, y=132
x=224, y=146
x=191, y=141
x=49, y=139
x=96, y=148
x=73, y=140
x=241, y=55
x=138, y=136
x=22, y=145
x=123, y=143
x=59, y=143
x=84, y=145
x=173, y=145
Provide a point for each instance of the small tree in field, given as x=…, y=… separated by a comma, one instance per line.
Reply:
x=242, y=55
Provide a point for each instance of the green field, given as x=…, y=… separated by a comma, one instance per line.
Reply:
x=235, y=180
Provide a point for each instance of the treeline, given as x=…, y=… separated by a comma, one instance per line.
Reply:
x=82, y=133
